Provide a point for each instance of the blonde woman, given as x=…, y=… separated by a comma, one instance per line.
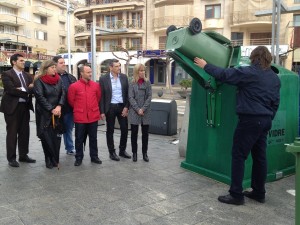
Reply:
x=50, y=97
x=140, y=94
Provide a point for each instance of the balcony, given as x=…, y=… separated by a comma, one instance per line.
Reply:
x=42, y=11
x=246, y=18
x=158, y=3
x=112, y=28
x=213, y=23
x=12, y=20
x=13, y=3
x=162, y=23
x=115, y=2
x=99, y=6
x=62, y=33
x=62, y=18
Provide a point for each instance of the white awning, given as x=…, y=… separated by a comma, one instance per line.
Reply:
x=142, y=60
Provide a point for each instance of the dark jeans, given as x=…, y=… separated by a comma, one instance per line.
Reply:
x=82, y=130
x=115, y=110
x=250, y=135
x=134, y=136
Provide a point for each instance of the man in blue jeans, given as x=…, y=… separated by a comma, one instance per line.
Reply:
x=67, y=79
x=258, y=88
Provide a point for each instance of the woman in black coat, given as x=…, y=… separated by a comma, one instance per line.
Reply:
x=50, y=97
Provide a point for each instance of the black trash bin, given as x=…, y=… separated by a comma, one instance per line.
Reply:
x=163, y=117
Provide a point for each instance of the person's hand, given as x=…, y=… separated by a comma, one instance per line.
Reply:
x=57, y=111
x=125, y=112
x=141, y=112
x=102, y=116
x=200, y=62
x=30, y=85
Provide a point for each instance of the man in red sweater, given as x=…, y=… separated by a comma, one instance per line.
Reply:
x=84, y=97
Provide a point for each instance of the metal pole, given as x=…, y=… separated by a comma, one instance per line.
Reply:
x=68, y=36
x=93, y=49
x=273, y=28
x=278, y=30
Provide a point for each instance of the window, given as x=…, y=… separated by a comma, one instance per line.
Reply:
x=136, y=20
x=136, y=43
x=260, y=38
x=110, y=21
x=212, y=11
x=296, y=21
x=237, y=38
x=44, y=20
x=62, y=40
x=62, y=26
x=7, y=29
x=7, y=10
x=162, y=42
x=40, y=19
x=40, y=35
x=109, y=45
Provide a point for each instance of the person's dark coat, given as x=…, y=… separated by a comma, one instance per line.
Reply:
x=11, y=94
x=252, y=83
x=47, y=98
x=106, y=90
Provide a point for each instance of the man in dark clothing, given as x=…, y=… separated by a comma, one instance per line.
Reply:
x=16, y=103
x=257, y=103
x=67, y=80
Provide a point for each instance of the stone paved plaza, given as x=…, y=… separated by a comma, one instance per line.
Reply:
x=125, y=193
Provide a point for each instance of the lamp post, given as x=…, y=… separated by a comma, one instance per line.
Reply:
x=69, y=12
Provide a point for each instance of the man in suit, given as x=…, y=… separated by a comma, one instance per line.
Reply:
x=114, y=104
x=16, y=103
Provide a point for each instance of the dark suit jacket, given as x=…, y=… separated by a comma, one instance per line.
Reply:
x=106, y=89
x=11, y=94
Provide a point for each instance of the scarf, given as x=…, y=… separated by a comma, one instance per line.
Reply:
x=141, y=81
x=49, y=79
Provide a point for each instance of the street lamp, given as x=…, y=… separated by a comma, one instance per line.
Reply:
x=70, y=10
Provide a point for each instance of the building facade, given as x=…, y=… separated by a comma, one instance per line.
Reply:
x=35, y=28
x=38, y=28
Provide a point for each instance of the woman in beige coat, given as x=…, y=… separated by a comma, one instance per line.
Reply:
x=140, y=94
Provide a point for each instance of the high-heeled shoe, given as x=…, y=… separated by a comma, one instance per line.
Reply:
x=134, y=157
x=54, y=163
x=48, y=163
x=145, y=157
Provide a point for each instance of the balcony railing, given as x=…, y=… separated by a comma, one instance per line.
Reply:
x=246, y=17
x=40, y=10
x=12, y=20
x=102, y=2
x=13, y=3
x=62, y=33
x=112, y=26
x=166, y=21
x=62, y=18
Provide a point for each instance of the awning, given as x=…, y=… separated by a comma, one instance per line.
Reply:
x=28, y=64
x=142, y=60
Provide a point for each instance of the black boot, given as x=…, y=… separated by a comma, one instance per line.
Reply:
x=134, y=157
x=145, y=157
x=48, y=163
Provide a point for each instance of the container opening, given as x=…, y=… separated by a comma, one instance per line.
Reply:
x=275, y=69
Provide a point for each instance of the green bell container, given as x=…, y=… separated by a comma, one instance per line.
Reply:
x=212, y=110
